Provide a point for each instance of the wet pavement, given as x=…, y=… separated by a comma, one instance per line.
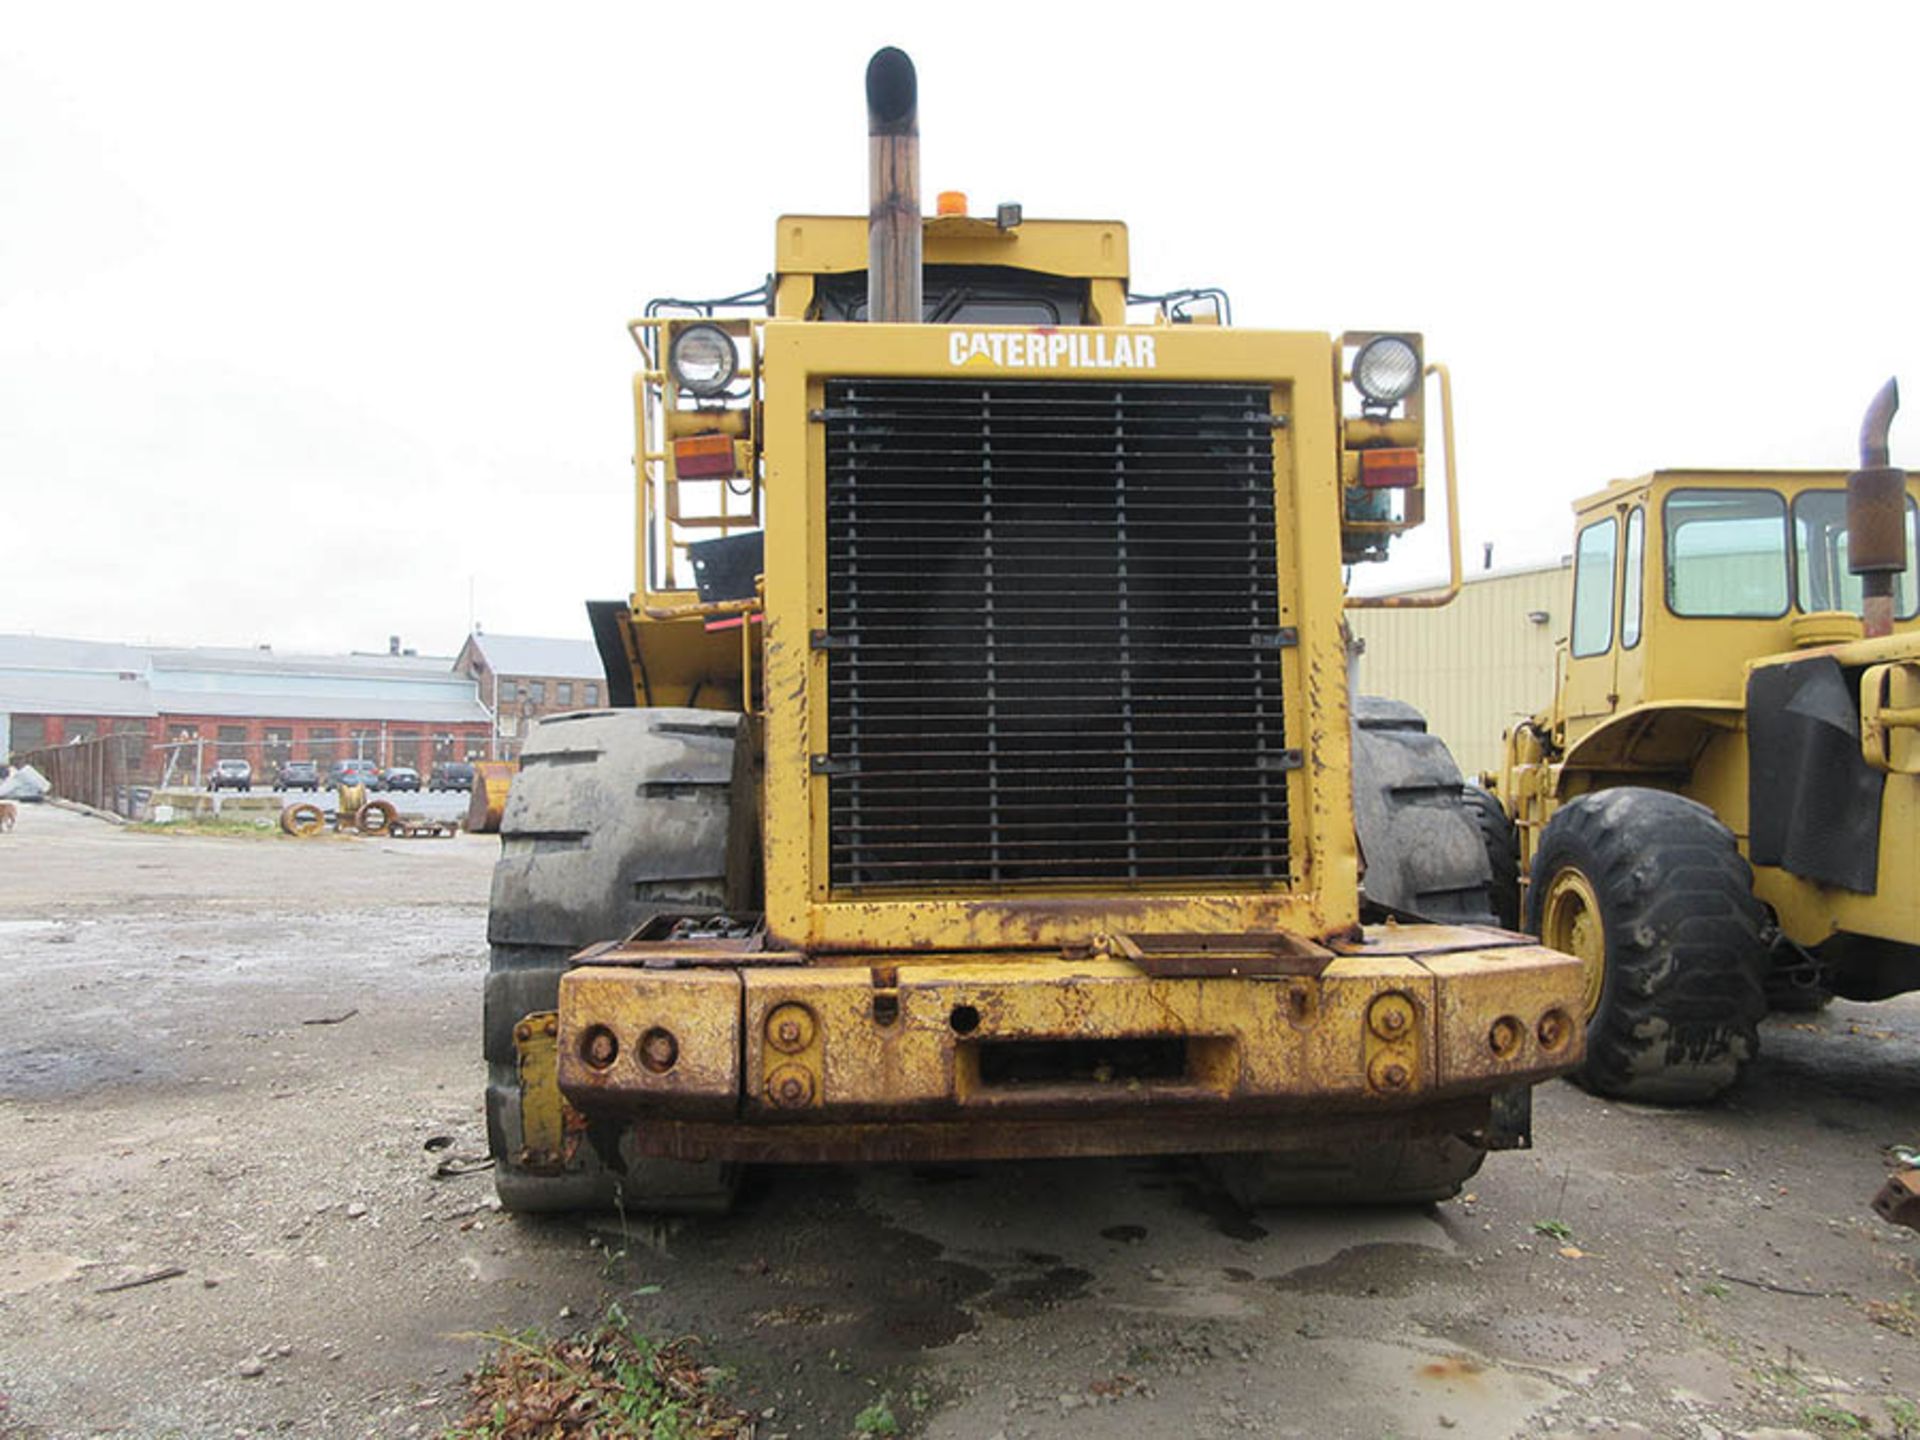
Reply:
x=245, y=1059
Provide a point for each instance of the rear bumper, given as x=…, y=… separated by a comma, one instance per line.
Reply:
x=997, y=1055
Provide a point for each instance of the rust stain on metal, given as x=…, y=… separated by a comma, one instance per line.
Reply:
x=814, y=1044
x=1013, y=1138
x=1263, y=954
x=1418, y=940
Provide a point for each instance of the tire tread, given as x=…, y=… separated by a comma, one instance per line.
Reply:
x=1685, y=980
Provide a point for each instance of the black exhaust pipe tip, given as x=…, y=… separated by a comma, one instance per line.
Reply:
x=893, y=93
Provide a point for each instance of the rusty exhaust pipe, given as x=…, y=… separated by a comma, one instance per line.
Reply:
x=893, y=189
x=1877, y=515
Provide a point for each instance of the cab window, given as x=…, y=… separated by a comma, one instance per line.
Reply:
x=968, y=295
x=1636, y=578
x=1727, y=554
x=1821, y=578
x=1593, y=588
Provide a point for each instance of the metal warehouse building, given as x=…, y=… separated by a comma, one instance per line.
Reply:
x=184, y=708
x=1476, y=666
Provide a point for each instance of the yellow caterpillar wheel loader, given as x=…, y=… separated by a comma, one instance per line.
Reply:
x=984, y=781
x=1718, y=812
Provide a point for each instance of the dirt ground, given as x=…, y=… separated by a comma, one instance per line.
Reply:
x=169, y=1097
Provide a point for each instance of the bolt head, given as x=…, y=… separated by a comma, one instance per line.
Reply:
x=790, y=1028
x=1390, y=1016
x=790, y=1087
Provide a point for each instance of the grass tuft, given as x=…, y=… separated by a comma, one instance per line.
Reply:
x=607, y=1383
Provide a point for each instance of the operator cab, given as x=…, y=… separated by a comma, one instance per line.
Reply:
x=1726, y=567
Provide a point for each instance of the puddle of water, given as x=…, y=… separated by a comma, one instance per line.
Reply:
x=1039, y=1292
x=1378, y=1268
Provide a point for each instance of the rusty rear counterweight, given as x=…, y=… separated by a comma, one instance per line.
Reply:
x=969, y=1039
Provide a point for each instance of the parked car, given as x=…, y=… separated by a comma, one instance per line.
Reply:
x=450, y=775
x=400, y=777
x=231, y=775
x=353, y=772
x=297, y=775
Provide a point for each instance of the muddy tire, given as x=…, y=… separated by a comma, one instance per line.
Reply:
x=1415, y=1171
x=614, y=816
x=1418, y=834
x=1650, y=890
x=1502, y=845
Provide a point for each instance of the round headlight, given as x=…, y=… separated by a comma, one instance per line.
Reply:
x=703, y=360
x=1386, y=369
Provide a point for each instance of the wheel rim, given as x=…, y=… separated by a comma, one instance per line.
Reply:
x=1571, y=924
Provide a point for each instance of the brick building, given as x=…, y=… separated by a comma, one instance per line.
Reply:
x=522, y=677
x=185, y=708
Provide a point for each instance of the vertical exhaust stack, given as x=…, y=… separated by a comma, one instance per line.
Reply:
x=893, y=189
x=1877, y=515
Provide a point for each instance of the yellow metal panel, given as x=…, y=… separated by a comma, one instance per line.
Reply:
x=1496, y=1018
x=814, y=1043
x=1262, y=1041
x=542, y=1114
x=698, y=1010
x=837, y=244
x=801, y=913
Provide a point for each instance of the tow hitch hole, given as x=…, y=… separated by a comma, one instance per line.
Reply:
x=598, y=1047
x=1082, y=1062
x=964, y=1019
x=659, y=1050
x=886, y=1010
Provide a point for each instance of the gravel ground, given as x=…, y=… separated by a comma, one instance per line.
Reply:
x=245, y=1058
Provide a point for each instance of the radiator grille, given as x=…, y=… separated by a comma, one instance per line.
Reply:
x=1053, y=634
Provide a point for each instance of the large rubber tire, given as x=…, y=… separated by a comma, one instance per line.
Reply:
x=1418, y=1170
x=614, y=816
x=1420, y=839
x=1502, y=844
x=1652, y=887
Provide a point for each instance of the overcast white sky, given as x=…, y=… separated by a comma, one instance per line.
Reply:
x=308, y=315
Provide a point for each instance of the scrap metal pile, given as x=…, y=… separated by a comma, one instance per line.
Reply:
x=355, y=814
